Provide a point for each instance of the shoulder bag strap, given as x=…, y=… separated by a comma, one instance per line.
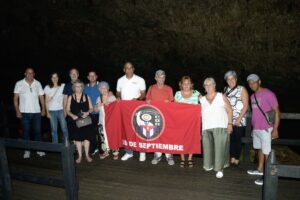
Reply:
x=264, y=114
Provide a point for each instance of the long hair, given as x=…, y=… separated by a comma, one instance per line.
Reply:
x=58, y=82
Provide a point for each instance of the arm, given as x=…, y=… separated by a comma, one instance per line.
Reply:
x=47, y=106
x=42, y=100
x=229, y=113
x=276, y=123
x=16, y=105
x=65, y=105
x=142, y=96
x=118, y=94
x=68, y=109
x=245, y=101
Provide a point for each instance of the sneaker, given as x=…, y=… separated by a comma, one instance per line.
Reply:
x=41, y=153
x=155, y=160
x=126, y=156
x=142, y=157
x=255, y=172
x=259, y=181
x=208, y=169
x=96, y=151
x=170, y=161
x=219, y=174
x=26, y=154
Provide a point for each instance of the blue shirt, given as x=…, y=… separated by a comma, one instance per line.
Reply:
x=68, y=89
x=93, y=93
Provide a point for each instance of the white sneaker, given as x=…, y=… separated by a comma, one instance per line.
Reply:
x=259, y=181
x=26, y=154
x=219, y=174
x=41, y=153
x=255, y=172
x=170, y=161
x=155, y=160
x=126, y=156
x=142, y=157
x=207, y=169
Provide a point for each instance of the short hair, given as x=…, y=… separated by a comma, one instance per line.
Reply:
x=103, y=84
x=77, y=82
x=210, y=79
x=186, y=78
x=128, y=63
x=160, y=73
x=230, y=73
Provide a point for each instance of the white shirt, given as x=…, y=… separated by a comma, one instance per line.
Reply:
x=56, y=97
x=131, y=88
x=29, y=96
x=214, y=115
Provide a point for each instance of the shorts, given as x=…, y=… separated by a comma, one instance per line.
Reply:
x=262, y=140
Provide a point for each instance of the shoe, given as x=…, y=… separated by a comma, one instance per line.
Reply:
x=142, y=157
x=78, y=160
x=26, y=154
x=155, y=160
x=126, y=156
x=96, y=151
x=255, y=172
x=104, y=155
x=182, y=164
x=190, y=163
x=226, y=165
x=41, y=153
x=116, y=157
x=219, y=174
x=170, y=161
x=259, y=181
x=208, y=169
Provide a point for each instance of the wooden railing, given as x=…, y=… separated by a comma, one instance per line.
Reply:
x=272, y=169
x=67, y=156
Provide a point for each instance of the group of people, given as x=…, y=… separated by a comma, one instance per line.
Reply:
x=223, y=114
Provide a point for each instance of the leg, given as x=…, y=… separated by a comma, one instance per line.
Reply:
x=182, y=161
x=190, y=160
x=79, y=150
x=63, y=125
x=36, y=120
x=93, y=142
x=233, y=145
x=86, y=150
x=26, y=125
x=240, y=133
x=208, y=149
x=53, y=124
x=221, y=139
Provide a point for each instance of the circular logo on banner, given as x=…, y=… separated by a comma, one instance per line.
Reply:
x=148, y=122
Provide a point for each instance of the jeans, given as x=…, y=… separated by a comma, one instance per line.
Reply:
x=35, y=120
x=55, y=117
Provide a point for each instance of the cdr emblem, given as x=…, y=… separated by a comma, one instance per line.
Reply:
x=148, y=122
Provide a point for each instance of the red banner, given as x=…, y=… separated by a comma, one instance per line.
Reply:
x=157, y=127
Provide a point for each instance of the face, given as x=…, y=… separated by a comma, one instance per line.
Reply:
x=186, y=85
x=74, y=74
x=29, y=74
x=103, y=90
x=54, y=78
x=78, y=88
x=128, y=69
x=92, y=77
x=254, y=85
x=209, y=87
x=160, y=79
x=231, y=81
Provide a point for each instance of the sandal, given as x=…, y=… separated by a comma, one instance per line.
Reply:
x=103, y=156
x=116, y=157
x=182, y=164
x=190, y=163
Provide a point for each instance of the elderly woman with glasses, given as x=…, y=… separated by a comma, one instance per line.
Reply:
x=238, y=99
x=106, y=98
x=79, y=106
x=216, y=127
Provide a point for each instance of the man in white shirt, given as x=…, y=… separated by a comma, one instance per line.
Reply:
x=28, y=95
x=131, y=87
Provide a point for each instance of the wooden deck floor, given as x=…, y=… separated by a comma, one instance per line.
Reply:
x=109, y=179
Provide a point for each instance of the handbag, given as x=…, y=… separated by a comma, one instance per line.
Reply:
x=270, y=115
x=81, y=122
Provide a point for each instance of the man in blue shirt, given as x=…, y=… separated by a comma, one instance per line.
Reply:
x=91, y=89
